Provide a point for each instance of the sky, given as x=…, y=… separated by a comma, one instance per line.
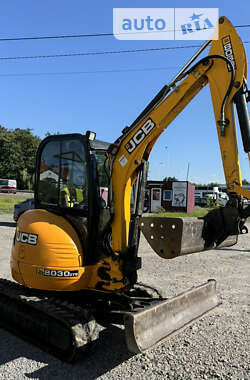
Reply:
x=104, y=93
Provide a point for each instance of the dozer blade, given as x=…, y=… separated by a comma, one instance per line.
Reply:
x=145, y=329
x=173, y=237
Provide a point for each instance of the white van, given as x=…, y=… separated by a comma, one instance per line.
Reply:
x=8, y=186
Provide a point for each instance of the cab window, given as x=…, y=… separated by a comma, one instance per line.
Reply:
x=63, y=174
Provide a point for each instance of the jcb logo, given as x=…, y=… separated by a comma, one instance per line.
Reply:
x=24, y=237
x=228, y=52
x=140, y=135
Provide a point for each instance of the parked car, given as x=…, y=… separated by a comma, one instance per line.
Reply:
x=8, y=189
x=219, y=199
x=8, y=185
x=19, y=208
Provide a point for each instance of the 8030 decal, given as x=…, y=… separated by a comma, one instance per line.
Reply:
x=57, y=273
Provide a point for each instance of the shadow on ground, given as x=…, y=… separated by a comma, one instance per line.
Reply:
x=7, y=224
x=237, y=250
x=110, y=351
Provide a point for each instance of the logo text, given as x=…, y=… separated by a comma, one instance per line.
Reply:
x=140, y=135
x=25, y=237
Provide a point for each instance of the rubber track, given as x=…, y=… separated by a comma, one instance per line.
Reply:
x=57, y=326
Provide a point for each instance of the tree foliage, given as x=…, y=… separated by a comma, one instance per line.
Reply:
x=17, y=155
x=166, y=179
x=213, y=184
x=245, y=182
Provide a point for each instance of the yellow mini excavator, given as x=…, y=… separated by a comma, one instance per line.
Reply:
x=75, y=255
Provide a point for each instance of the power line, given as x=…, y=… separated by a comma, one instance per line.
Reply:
x=88, y=35
x=90, y=72
x=242, y=26
x=101, y=52
x=56, y=37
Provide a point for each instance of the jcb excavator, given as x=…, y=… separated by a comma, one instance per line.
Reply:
x=75, y=256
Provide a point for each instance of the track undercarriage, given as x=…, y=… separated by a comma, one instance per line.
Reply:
x=65, y=324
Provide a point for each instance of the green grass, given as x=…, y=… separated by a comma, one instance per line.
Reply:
x=7, y=204
x=198, y=212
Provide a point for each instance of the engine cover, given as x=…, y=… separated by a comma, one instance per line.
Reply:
x=47, y=254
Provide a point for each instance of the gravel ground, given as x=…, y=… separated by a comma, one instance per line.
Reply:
x=215, y=347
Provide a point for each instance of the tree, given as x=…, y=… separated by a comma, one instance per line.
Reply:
x=17, y=158
x=245, y=182
x=213, y=184
x=51, y=134
x=166, y=179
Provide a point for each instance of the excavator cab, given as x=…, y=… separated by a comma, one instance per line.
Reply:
x=70, y=173
x=70, y=224
x=71, y=181
x=62, y=175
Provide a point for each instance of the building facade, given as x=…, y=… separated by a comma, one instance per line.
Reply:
x=171, y=195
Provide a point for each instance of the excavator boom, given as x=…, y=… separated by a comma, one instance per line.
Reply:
x=225, y=70
x=226, y=75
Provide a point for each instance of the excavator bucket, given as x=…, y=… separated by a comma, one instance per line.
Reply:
x=145, y=329
x=173, y=237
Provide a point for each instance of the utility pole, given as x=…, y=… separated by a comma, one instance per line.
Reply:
x=188, y=171
x=166, y=163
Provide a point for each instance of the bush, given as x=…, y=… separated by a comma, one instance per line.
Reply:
x=160, y=210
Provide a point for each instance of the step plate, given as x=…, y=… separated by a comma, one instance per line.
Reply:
x=145, y=329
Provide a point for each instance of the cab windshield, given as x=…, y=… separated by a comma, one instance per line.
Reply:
x=62, y=178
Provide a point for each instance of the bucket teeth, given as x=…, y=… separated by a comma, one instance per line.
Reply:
x=146, y=328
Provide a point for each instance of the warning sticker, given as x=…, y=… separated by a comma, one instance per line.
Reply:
x=123, y=160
